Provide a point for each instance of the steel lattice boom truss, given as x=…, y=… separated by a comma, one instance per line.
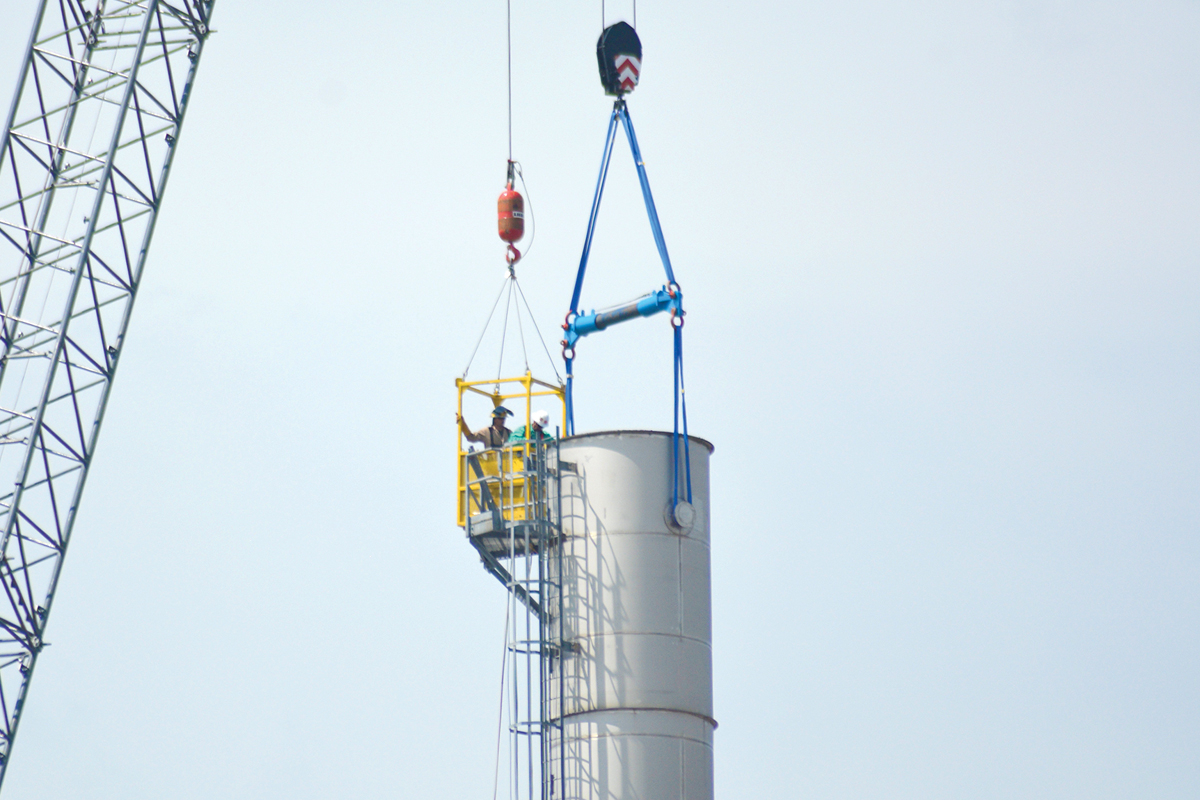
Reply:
x=84, y=159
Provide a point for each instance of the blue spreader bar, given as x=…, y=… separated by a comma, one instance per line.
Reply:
x=662, y=300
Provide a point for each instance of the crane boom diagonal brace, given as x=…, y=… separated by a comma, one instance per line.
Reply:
x=84, y=158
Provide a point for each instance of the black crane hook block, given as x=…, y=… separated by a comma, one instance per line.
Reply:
x=619, y=53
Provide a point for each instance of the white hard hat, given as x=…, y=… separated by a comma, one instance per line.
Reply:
x=541, y=418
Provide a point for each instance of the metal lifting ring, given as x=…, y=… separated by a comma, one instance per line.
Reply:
x=568, y=352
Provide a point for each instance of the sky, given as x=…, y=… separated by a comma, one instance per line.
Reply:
x=940, y=263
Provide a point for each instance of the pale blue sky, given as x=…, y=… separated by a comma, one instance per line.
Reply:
x=941, y=266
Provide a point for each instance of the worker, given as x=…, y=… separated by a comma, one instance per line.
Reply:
x=494, y=435
x=539, y=421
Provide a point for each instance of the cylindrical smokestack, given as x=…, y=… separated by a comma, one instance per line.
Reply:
x=630, y=700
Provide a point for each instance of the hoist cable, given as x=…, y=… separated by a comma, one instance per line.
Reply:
x=479, y=341
x=508, y=27
x=604, y=19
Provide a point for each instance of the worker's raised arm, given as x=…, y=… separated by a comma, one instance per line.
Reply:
x=462, y=426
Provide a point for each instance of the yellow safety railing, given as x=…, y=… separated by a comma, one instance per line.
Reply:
x=495, y=474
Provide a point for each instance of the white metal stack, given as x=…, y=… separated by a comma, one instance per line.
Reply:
x=630, y=706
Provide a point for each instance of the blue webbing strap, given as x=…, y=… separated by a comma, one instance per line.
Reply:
x=661, y=242
x=687, y=455
x=591, y=229
x=621, y=112
x=650, y=209
x=569, y=422
x=675, y=435
x=583, y=259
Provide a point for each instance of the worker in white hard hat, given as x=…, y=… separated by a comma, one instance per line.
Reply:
x=495, y=435
x=538, y=433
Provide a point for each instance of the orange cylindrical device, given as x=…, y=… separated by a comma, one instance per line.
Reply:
x=510, y=210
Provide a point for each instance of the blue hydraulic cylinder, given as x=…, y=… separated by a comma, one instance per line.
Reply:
x=662, y=300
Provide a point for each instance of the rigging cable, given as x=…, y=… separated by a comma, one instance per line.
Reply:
x=511, y=282
x=602, y=15
x=504, y=329
x=538, y=330
x=521, y=331
x=479, y=341
x=529, y=202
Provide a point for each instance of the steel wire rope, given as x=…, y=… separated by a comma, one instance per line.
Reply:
x=514, y=704
x=539, y=333
x=483, y=332
x=529, y=202
x=500, y=712
x=521, y=331
x=43, y=202
x=504, y=332
x=602, y=17
x=508, y=32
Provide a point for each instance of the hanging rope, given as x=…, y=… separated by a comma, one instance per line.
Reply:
x=504, y=330
x=485, y=327
x=521, y=331
x=538, y=330
x=511, y=220
x=529, y=204
x=604, y=18
x=514, y=299
x=500, y=713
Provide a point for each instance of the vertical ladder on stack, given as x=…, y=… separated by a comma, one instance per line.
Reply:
x=511, y=523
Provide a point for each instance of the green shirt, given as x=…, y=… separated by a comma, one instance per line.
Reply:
x=519, y=435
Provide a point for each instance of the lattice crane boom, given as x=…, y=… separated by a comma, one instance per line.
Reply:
x=86, y=151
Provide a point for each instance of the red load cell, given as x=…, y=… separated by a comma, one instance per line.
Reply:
x=510, y=210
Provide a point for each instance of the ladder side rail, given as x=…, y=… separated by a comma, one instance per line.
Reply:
x=546, y=651
x=532, y=657
x=560, y=645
